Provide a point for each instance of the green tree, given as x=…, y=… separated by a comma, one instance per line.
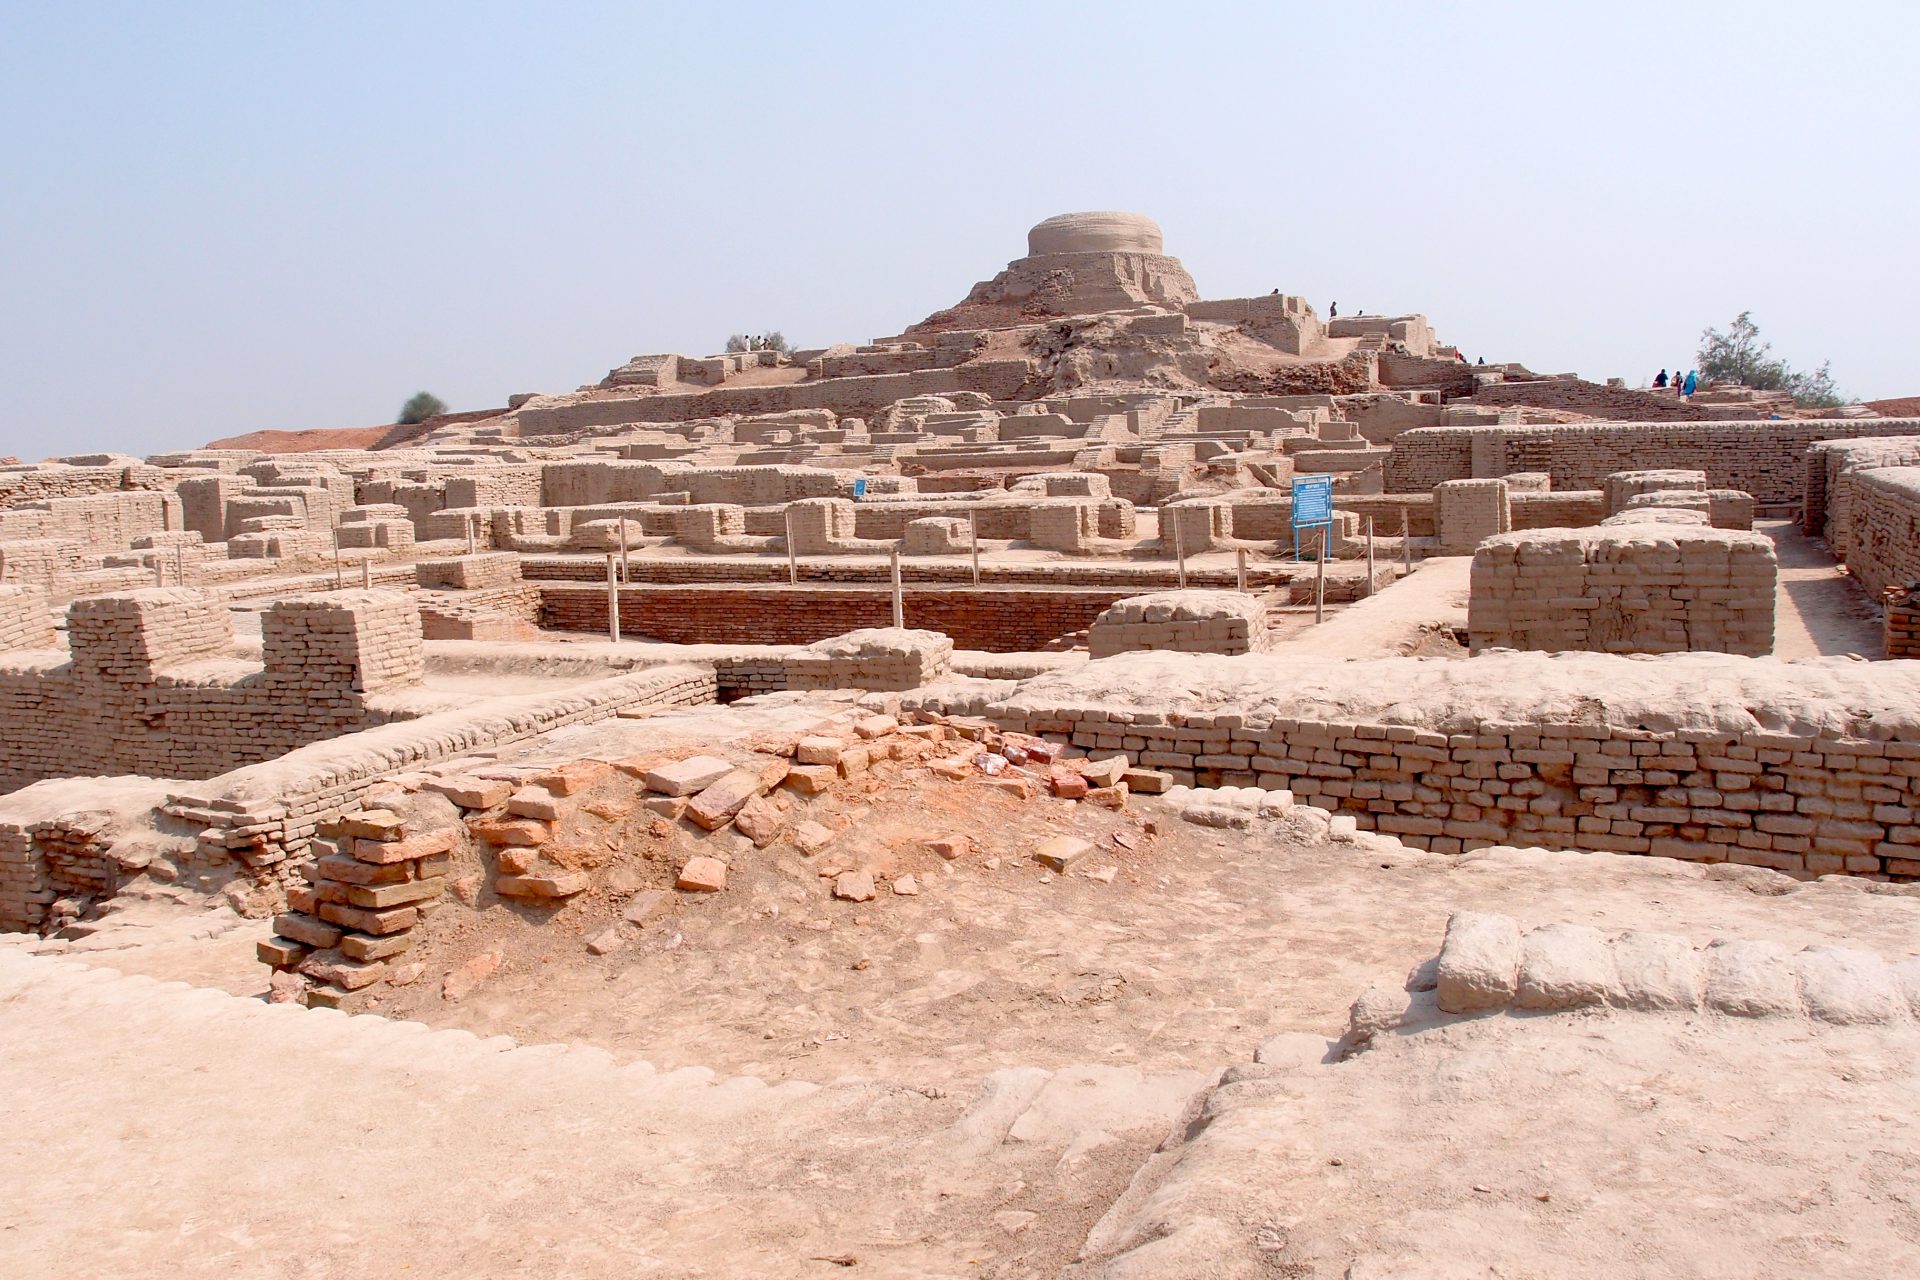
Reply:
x=420, y=406
x=1740, y=356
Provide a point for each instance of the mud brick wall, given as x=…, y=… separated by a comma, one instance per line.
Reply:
x=876, y=658
x=1625, y=589
x=1883, y=540
x=1132, y=579
x=109, y=521
x=1801, y=803
x=857, y=397
x=1902, y=622
x=1765, y=459
x=353, y=641
x=265, y=816
x=1182, y=622
x=1573, y=510
x=25, y=891
x=1832, y=467
x=997, y=620
x=483, y=571
x=1623, y=485
x=1469, y=511
x=25, y=622
x=152, y=687
x=502, y=487
x=39, y=483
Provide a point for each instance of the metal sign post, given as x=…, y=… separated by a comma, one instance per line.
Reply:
x=1312, y=508
x=899, y=603
x=1240, y=556
x=1179, y=548
x=625, y=574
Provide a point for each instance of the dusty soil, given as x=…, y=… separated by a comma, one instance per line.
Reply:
x=1820, y=609
x=1899, y=407
x=305, y=441
x=1204, y=942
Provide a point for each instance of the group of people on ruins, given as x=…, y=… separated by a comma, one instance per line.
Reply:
x=1683, y=387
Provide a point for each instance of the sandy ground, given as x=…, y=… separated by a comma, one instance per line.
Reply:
x=1556, y=1145
x=1821, y=609
x=983, y=1095
x=184, y=1132
x=1399, y=618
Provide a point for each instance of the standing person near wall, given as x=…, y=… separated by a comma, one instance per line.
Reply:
x=1333, y=312
x=1693, y=384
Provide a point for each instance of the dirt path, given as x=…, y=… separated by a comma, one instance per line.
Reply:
x=1397, y=619
x=1821, y=609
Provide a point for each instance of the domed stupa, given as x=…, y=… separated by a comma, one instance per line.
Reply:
x=1076, y=264
x=1105, y=231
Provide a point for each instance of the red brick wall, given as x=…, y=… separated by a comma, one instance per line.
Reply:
x=994, y=620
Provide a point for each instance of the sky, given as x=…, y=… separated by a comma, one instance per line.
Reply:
x=223, y=217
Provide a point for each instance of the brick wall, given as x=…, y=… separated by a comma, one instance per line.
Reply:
x=1625, y=589
x=997, y=620
x=1831, y=468
x=266, y=816
x=1810, y=802
x=1902, y=621
x=1765, y=459
x=152, y=687
x=856, y=397
x=1883, y=543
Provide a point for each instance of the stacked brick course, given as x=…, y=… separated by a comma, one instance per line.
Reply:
x=1632, y=588
x=1839, y=794
x=374, y=878
x=1765, y=459
x=1902, y=621
x=267, y=815
x=25, y=622
x=1883, y=540
x=152, y=687
x=1467, y=512
x=1181, y=622
x=880, y=658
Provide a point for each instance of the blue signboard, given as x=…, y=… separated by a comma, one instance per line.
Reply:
x=859, y=488
x=1312, y=508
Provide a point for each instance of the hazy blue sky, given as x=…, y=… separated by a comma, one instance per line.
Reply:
x=218, y=217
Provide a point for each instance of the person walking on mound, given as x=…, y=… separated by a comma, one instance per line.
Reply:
x=1693, y=384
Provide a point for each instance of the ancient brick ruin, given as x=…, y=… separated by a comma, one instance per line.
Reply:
x=1016, y=591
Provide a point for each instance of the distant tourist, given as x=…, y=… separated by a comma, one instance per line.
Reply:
x=1661, y=380
x=1693, y=384
x=1333, y=312
x=1462, y=355
x=1482, y=360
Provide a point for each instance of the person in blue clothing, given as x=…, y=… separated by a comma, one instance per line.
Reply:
x=1693, y=384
